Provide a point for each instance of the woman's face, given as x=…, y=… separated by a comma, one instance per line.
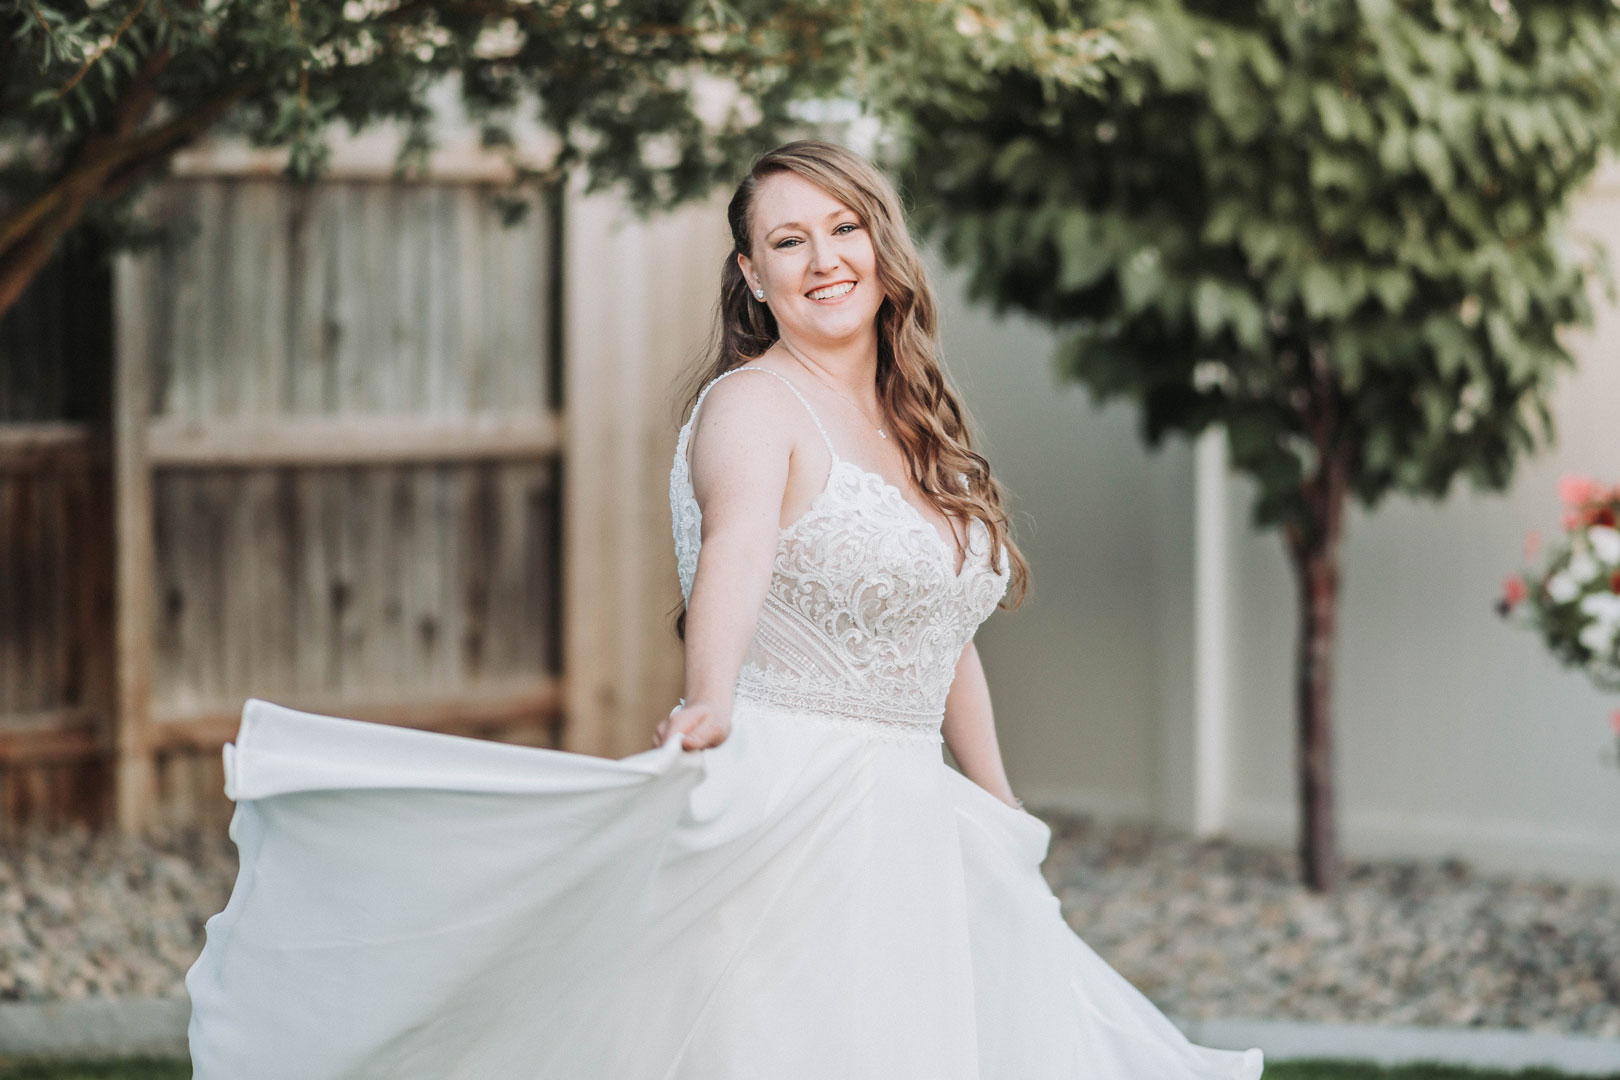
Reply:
x=814, y=259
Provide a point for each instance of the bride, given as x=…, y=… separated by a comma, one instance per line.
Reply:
x=791, y=884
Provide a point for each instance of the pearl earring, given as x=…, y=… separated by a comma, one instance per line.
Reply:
x=759, y=294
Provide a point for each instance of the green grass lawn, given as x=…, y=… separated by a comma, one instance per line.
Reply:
x=1282, y=1070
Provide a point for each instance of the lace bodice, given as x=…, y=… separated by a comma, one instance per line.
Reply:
x=866, y=614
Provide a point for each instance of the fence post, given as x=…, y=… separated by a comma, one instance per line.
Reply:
x=133, y=581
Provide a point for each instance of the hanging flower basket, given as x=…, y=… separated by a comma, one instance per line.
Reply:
x=1572, y=596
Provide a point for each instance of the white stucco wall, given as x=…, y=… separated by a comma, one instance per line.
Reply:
x=1075, y=673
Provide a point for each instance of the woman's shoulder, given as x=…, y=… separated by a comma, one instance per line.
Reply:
x=755, y=395
x=745, y=431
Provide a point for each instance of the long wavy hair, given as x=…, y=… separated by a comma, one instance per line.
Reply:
x=921, y=408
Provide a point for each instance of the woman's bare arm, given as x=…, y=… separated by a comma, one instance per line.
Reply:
x=970, y=727
x=741, y=449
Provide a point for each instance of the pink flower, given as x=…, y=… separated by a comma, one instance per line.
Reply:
x=1576, y=490
x=1614, y=721
x=1514, y=591
x=1571, y=521
x=1532, y=544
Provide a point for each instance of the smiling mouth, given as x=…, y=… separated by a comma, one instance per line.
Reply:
x=832, y=292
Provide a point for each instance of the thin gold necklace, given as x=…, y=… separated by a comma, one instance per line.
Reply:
x=813, y=374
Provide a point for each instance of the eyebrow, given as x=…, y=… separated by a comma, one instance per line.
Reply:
x=797, y=225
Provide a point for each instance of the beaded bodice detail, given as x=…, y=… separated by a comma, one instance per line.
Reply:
x=866, y=614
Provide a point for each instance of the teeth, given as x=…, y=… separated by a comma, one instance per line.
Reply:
x=829, y=293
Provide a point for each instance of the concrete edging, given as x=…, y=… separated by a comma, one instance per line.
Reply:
x=156, y=1027
x=95, y=1027
x=1491, y=1048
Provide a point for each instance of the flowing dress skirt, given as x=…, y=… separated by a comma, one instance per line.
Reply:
x=803, y=902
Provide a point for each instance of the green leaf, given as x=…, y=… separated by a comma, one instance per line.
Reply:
x=1016, y=160
x=1085, y=257
x=1455, y=349
x=1430, y=153
x=1322, y=291
x=1394, y=287
x=1209, y=309
x=1331, y=111
x=1394, y=152
x=1250, y=435
x=1141, y=279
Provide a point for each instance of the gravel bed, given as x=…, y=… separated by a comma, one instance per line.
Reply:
x=84, y=915
x=1207, y=929
x=1212, y=929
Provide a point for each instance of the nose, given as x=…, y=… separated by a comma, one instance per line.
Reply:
x=823, y=256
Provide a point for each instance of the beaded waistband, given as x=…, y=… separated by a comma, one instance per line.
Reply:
x=920, y=732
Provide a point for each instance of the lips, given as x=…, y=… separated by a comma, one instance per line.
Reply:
x=812, y=294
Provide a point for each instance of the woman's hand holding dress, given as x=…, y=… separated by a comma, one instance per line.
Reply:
x=702, y=725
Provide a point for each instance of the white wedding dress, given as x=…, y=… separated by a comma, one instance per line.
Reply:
x=820, y=897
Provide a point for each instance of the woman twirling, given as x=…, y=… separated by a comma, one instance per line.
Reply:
x=792, y=884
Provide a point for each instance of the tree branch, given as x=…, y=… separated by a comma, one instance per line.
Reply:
x=108, y=163
x=161, y=143
x=90, y=61
x=40, y=15
x=131, y=109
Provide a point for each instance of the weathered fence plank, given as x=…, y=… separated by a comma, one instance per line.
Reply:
x=132, y=485
x=54, y=520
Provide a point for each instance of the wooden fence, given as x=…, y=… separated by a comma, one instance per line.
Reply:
x=314, y=447
x=337, y=437
x=334, y=469
x=56, y=673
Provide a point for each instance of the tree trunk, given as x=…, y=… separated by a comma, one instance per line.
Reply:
x=1316, y=567
x=1313, y=544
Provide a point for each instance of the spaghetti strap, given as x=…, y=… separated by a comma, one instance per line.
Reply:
x=768, y=371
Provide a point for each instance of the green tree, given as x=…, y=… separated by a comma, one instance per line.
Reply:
x=1332, y=226
x=664, y=97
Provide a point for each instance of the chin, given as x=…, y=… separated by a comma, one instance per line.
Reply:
x=841, y=331
x=844, y=323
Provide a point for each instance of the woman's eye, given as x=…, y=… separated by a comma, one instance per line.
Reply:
x=850, y=225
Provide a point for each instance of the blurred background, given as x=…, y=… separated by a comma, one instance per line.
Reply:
x=344, y=347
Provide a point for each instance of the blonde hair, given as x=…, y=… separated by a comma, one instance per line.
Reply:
x=924, y=414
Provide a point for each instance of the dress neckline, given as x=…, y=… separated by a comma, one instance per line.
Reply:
x=946, y=549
